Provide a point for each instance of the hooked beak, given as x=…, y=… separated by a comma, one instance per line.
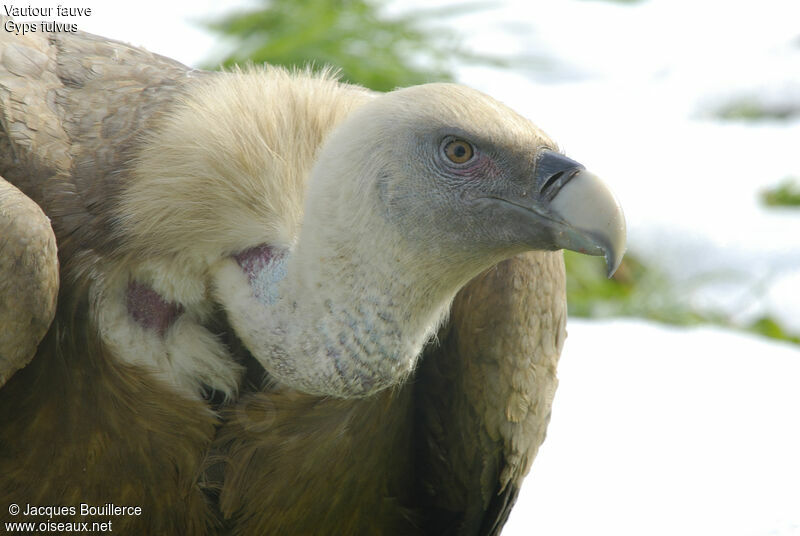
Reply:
x=593, y=221
x=580, y=211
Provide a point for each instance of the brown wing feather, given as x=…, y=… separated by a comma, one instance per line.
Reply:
x=28, y=278
x=483, y=395
x=76, y=425
x=73, y=108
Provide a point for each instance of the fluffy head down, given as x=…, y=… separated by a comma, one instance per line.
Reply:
x=223, y=169
x=227, y=168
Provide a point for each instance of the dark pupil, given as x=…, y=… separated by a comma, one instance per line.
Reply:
x=459, y=151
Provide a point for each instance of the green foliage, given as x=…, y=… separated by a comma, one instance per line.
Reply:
x=590, y=293
x=768, y=327
x=786, y=194
x=748, y=109
x=369, y=48
x=637, y=290
x=634, y=290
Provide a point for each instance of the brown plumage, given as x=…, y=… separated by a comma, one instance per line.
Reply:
x=28, y=291
x=184, y=215
x=76, y=426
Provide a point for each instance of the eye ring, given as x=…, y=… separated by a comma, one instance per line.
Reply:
x=458, y=151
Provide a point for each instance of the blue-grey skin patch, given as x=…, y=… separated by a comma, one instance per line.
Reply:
x=351, y=340
x=265, y=267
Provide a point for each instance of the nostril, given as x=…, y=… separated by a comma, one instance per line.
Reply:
x=551, y=181
x=553, y=171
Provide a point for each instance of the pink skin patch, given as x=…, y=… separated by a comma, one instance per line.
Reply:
x=149, y=309
x=482, y=168
x=253, y=261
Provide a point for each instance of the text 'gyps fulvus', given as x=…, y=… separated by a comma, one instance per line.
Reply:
x=252, y=265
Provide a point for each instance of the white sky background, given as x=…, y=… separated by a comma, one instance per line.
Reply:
x=655, y=430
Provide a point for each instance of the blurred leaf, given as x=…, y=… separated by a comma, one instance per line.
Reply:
x=637, y=290
x=786, y=194
x=634, y=290
x=368, y=47
x=750, y=109
x=768, y=327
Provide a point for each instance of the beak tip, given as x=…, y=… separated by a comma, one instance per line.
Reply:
x=613, y=260
x=616, y=244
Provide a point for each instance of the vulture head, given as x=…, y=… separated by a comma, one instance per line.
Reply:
x=412, y=195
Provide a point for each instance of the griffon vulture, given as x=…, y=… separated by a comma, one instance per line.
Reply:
x=256, y=270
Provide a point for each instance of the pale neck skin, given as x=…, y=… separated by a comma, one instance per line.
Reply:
x=348, y=314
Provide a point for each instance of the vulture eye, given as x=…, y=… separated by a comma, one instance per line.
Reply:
x=458, y=151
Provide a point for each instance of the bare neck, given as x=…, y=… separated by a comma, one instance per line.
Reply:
x=355, y=314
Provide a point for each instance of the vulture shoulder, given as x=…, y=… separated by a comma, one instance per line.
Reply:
x=29, y=284
x=483, y=394
x=79, y=424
